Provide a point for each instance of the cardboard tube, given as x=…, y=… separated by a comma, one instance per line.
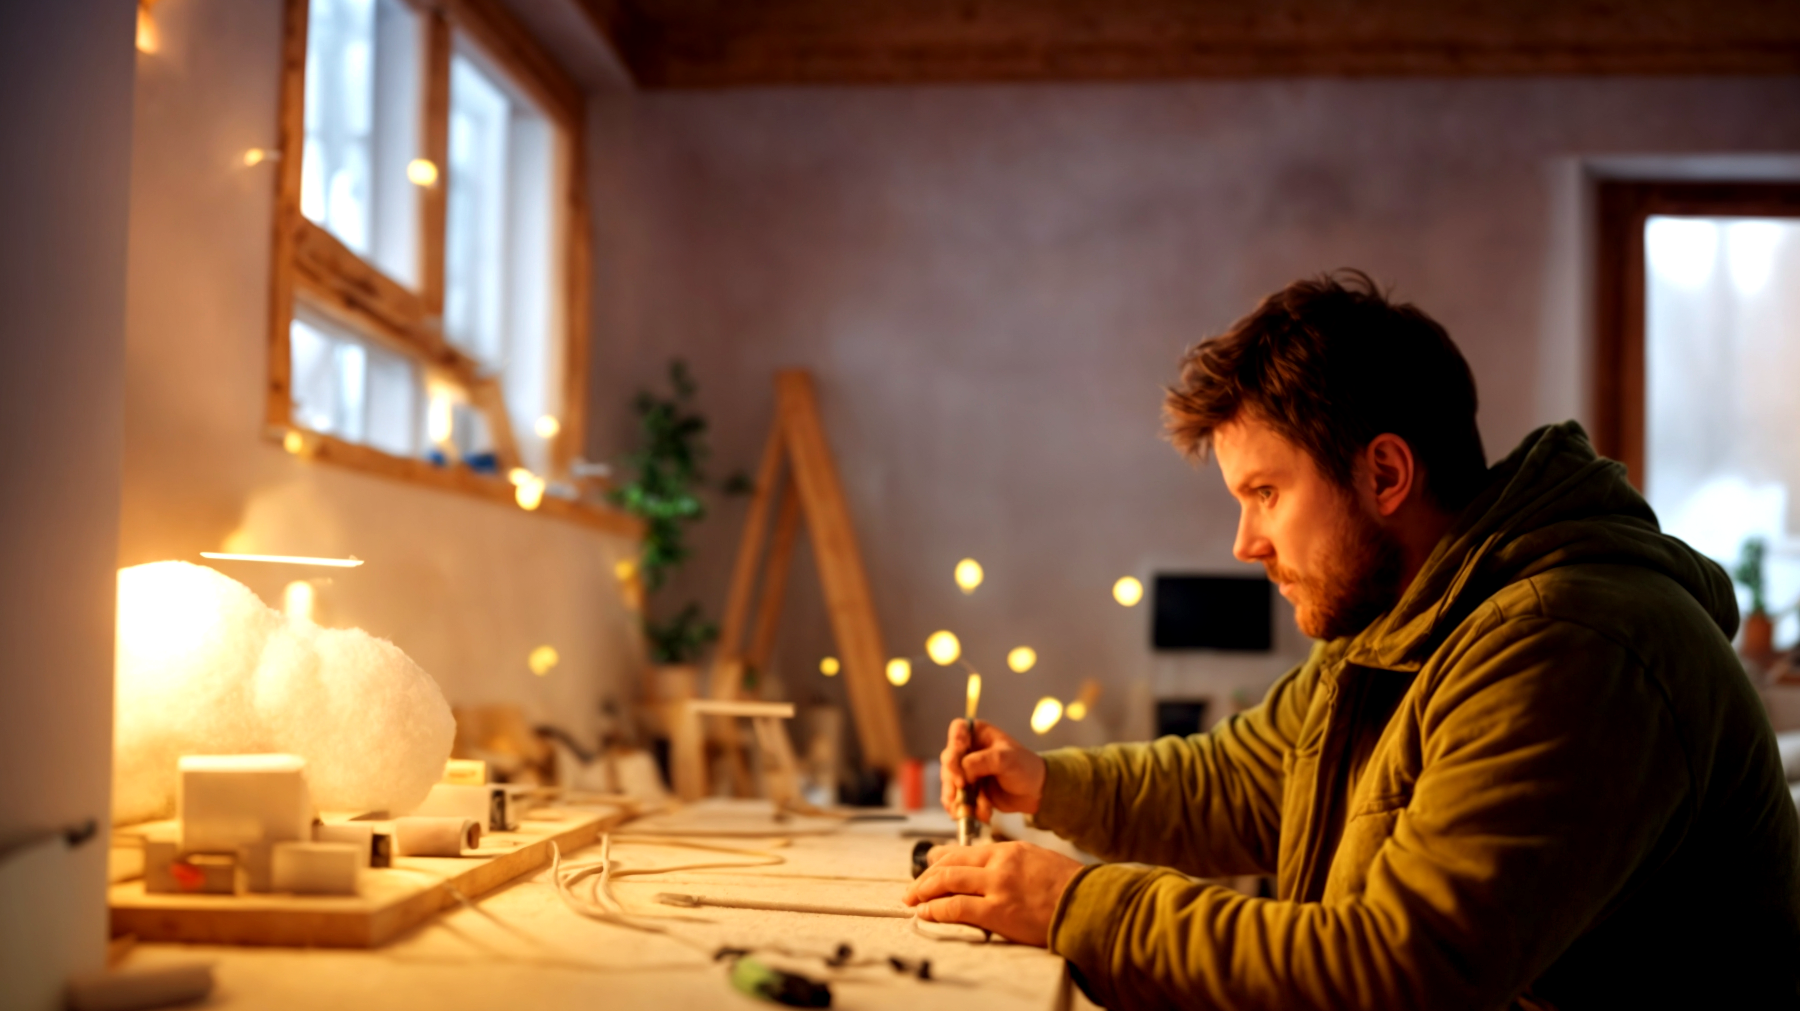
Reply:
x=435, y=837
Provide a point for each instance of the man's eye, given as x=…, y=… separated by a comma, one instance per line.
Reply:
x=1266, y=494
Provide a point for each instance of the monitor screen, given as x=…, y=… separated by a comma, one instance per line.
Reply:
x=1213, y=612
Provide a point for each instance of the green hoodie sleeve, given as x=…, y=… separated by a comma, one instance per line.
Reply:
x=1217, y=795
x=1497, y=861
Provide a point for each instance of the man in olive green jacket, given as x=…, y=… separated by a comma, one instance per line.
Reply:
x=1523, y=766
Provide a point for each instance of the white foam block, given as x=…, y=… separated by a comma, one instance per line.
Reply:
x=227, y=801
x=435, y=837
x=315, y=868
x=358, y=834
x=491, y=805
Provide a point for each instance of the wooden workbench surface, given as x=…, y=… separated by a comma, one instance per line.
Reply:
x=523, y=947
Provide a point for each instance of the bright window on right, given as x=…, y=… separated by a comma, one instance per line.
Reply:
x=1722, y=396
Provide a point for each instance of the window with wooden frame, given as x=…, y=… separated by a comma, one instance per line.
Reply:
x=1699, y=350
x=429, y=295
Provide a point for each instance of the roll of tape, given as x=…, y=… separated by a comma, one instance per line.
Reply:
x=435, y=837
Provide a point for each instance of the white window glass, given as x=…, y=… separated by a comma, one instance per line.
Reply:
x=501, y=268
x=363, y=105
x=354, y=390
x=1722, y=350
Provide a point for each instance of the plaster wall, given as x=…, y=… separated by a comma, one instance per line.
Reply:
x=466, y=586
x=992, y=283
x=66, y=71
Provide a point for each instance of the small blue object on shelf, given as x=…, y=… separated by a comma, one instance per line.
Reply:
x=482, y=463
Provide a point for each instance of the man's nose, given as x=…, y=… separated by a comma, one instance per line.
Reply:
x=1250, y=545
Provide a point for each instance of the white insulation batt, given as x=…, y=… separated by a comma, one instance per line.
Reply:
x=204, y=667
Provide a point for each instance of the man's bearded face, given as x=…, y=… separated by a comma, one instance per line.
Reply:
x=1320, y=543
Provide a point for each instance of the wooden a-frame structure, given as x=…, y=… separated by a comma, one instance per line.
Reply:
x=798, y=480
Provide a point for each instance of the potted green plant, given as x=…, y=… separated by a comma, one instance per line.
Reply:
x=1758, y=645
x=663, y=489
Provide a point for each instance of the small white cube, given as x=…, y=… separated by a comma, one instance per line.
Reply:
x=315, y=868
x=227, y=801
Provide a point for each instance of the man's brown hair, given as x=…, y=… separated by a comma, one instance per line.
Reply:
x=1331, y=363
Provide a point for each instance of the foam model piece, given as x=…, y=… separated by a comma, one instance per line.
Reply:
x=435, y=837
x=315, y=868
x=227, y=801
x=205, y=668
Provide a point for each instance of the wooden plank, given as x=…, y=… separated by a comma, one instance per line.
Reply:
x=681, y=43
x=390, y=900
x=434, y=137
x=742, y=707
x=502, y=39
x=775, y=575
x=290, y=121
x=495, y=489
x=485, y=395
x=573, y=226
x=727, y=672
x=847, y=598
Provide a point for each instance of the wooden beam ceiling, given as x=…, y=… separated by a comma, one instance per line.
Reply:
x=724, y=43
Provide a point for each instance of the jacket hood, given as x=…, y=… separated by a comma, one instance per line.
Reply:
x=1552, y=502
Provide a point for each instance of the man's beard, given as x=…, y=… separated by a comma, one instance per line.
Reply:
x=1358, y=581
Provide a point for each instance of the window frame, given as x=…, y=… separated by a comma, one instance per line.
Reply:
x=1624, y=209
x=310, y=264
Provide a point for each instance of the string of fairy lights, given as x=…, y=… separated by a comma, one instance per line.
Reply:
x=944, y=649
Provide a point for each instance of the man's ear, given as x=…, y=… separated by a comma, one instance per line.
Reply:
x=1392, y=470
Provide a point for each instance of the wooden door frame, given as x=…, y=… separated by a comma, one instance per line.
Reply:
x=1624, y=207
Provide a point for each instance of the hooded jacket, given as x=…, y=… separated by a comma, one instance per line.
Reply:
x=1541, y=780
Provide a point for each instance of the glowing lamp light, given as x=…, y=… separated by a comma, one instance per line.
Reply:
x=1021, y=659
x=149, y=39
x=519, y=476
x=297, y=599
x=899, y=671
x=1090, y=694
x=257, y=155
x=422, y=172
x=529, y=493
x=625, y=568
x=1128, y=591
x=547, y=426
x=830, y=666
x=440, y=418
x=943, y=648
x=543, y=660
x=968, y=574
x=294, y=442
x=1045, y=716
x=1077, y=711
x=333, y=563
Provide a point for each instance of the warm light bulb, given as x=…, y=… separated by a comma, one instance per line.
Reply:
x=422, y=172
x=943, y=648
x=529, y=494
x=1077, y=711
x=519, y=476
x=297, y=599
x=149, y=39
x=625, y=568
x=1046, y=714
x=968, y=574
x=899, y=671
x=542, y=660
x=257, y=155
x=1128, y=591
x=293, y=442
x=830, y=666
x=974, y=694
x=1021, y=659
x=440, y=417
x=547, y=427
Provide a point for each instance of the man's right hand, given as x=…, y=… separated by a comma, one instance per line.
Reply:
x=1012, y=775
